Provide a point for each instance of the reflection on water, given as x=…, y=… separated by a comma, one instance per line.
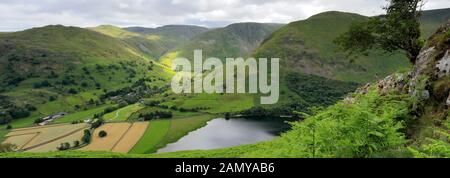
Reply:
x=221, y=133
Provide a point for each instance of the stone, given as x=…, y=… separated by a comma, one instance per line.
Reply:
x=448, y=100
x=443, y=66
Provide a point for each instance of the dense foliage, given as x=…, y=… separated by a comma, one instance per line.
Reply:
x=10, y=111
x=318, y=91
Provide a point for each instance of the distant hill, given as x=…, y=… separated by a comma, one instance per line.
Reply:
x=185, y=32
x=235, y=40
x=152, y=46
x=307, y=47
x=433, y=19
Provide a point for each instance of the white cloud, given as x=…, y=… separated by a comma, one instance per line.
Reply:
x=22, y=14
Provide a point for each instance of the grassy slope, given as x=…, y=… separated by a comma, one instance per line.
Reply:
x=82, y=115
x=307, y=47
x=236, y=40
x=153, y=46
x=123, y=113
x=433, y=19
x=214, y=103
x=183, y=32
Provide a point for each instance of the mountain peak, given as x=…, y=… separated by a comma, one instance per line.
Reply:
x=334, y=14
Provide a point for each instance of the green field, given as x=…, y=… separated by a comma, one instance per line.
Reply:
x=3, y=132
x=123, y=114
x=82, y=115
x=214, y=103
x=162, y=132
x=154, y=135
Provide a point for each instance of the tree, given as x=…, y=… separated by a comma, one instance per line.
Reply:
x=87, y=136
x=397, y=30
x=102, y=134
x=39, y=120
x=76, y=144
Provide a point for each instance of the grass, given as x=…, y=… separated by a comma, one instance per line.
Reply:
x=181, y=127
x=82, y=115
x=162, y=132
x=123, y=114
x=3, y=132
x=229, y=42
x=214, y=103
x=154, y=135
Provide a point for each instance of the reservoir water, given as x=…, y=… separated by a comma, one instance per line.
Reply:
x=221, y=133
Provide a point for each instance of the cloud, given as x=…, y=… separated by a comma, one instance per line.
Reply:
x=22, y=14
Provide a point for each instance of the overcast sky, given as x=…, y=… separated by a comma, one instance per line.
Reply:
x=22, y=14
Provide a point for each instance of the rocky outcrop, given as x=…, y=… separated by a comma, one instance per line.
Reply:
x=430, y=77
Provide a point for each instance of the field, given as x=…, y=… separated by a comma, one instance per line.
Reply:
x=121, y=137
x=51, y=146
x=44, y=138
x=162, y=132
x=123, y=113
x=214, y=103
x=128, y=141
x=82, y=115
x=154, y=135
x=3, y=132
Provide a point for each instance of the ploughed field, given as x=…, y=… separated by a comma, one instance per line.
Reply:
x=121, y=137
x=44, y=138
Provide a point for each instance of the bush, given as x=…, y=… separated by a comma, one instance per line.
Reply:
x=73, y=91
x=9, y=127
x=64, y=146
x=76, y=144
x=39, y=120
x=86, y=137
x=102, y=134
x=156, y=115
x=42, y=84
x=97, y=123
x=51, y=98
x=30, y=107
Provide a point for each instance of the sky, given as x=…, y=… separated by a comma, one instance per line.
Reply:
x=17, y=15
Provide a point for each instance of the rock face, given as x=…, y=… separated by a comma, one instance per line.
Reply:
x=434, y=60
x=443, y=66
x=430, y=77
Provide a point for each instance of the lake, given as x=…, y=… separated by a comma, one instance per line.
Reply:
x=222, y=133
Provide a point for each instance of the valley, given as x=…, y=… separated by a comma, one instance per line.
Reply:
x=114, y=85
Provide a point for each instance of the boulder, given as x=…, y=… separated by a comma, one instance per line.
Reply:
x=448, y=100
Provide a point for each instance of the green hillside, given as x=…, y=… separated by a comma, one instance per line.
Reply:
x=55, y=68
x=307, y=47
x=236, y=40
x=152, y=46
x=183, y=32
x=433, y=19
